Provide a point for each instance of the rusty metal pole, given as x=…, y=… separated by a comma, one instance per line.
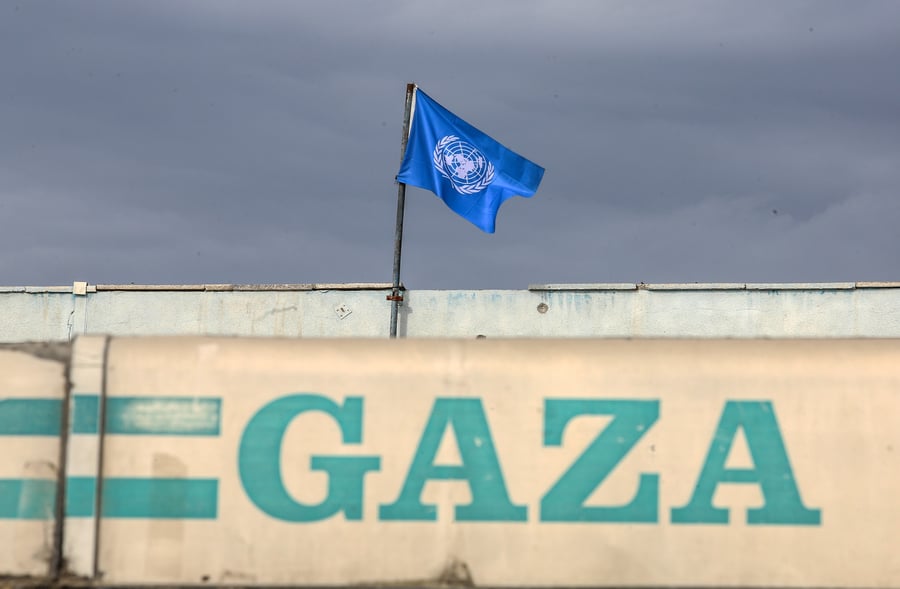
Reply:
x=395, y=297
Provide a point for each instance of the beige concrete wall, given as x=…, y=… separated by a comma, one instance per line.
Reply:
x=32, y=389
x=518, y=462
x=793, y=444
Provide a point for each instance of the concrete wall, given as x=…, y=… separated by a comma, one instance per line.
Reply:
x=421, y=462
x=32, y=390
x=616, y=310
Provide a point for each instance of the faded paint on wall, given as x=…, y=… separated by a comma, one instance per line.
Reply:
x=741, y=311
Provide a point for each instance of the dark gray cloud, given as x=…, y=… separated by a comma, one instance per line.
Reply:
x=171, y=142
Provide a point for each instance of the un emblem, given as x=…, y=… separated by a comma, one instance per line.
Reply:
x=461, y=163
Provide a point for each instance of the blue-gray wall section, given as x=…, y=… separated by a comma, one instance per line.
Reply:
x=775, y=311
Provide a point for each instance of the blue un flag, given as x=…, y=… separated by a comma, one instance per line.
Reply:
x=468, y=170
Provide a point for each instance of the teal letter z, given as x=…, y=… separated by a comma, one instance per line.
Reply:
x=631, y=420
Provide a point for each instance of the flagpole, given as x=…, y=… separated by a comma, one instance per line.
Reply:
x=395, y=297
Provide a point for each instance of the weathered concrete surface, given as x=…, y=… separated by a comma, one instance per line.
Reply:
x=349, y=462
x=36, y=316
x=812, y=443
x=615, y=310
x=32, y=388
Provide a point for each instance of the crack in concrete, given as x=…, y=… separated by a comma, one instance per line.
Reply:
x=275, y=311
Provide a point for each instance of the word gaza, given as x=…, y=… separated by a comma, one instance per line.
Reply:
x=260, y=468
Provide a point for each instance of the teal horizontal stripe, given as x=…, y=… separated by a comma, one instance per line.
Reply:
x=150, y=498
x=86, y=414
x=27, y=498
x=159, y=416
x=163, y=416
x=30, y=417
x=161, y=498
x=80, y=493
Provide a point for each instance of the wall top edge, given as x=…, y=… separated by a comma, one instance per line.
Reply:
x=615, y=286
x=247, y=287
x=598, y=286
x=201, y=287
x=714, y=286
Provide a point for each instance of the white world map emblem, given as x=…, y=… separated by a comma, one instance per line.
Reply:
x=461, y=163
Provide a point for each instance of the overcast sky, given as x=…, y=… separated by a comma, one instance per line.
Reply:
x=257, y=142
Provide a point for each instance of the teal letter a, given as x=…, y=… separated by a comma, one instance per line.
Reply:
x=771, y=471
x=480, y=468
